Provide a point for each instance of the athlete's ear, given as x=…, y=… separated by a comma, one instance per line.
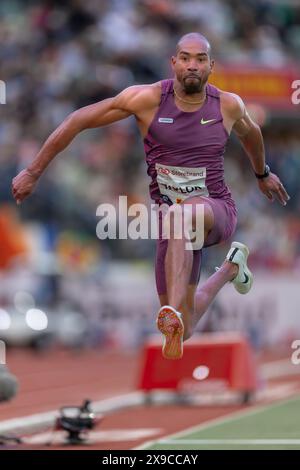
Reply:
x=212, y=64
x=173, y=61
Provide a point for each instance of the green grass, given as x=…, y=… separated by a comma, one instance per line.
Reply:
x=278, y=422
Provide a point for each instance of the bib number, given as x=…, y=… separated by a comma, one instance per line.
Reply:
x=179, y=183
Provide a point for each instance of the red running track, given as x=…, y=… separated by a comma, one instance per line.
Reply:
x=60, y=378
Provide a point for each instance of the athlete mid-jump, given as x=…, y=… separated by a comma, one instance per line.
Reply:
x=185, y=123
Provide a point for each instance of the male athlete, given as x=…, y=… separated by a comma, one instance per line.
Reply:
x=185, y=123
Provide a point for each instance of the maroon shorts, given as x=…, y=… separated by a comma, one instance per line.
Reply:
x=225, y=220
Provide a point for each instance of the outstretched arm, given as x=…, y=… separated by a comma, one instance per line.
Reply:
x=250, y=136
x=92, y=116
x=128, y=102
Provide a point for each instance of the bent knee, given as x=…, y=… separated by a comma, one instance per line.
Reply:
x=208, y=215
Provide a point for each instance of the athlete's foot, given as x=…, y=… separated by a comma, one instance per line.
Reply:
x=242, y=278
x=171, y=326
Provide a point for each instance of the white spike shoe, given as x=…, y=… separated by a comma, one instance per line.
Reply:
x=238, y=254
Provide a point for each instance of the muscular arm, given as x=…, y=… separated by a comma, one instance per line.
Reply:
x=131, y=101
x=246, y=129
x=105, y=112
x=250, y=136
x=95, y=115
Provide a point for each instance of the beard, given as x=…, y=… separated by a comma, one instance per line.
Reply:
x=192, y=85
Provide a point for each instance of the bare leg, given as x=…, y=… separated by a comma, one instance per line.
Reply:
x=178, y=264
x=179, y=260
x=207, y=292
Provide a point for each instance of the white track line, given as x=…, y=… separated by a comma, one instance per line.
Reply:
x=238, y=442
x=42, y=420
x=114, y=435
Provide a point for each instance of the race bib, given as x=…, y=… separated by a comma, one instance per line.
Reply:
x=179, y=183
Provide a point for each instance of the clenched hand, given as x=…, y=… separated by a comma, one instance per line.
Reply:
x=23, y=185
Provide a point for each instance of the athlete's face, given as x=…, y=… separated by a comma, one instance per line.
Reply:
x=192, y=65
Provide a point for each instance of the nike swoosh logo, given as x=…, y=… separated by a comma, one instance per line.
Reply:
x=206, y=122
x=246, y=278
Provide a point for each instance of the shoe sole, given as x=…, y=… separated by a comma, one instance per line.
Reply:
x=171, y=326
x=244, y=288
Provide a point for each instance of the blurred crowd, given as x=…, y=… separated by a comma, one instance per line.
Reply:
x=57, y=56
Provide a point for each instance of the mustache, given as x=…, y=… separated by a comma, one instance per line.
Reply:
x=192, y=75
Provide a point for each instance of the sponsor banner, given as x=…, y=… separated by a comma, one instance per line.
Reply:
x=271, y=87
